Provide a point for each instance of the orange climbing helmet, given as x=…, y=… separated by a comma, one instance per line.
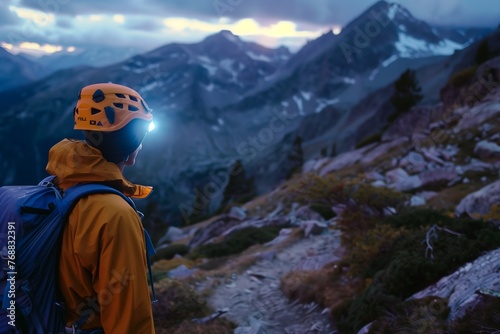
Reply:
x=109, y=107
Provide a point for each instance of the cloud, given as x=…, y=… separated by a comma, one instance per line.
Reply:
x=152, y=23
x=64, y=22
x=8, y=17
x=144, y=23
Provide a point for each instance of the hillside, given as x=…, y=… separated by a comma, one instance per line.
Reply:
x=400, y=234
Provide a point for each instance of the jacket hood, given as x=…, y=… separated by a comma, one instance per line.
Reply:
x=74, y=161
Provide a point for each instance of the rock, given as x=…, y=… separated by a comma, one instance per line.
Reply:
x=438, y=177
x=210, y=317
x=213, y=230
x=465, y=180
x=312, y=227
x=314, y=165
x=305, y=213
x=395, y=175
x=366, y=329
x=238, y=213
x=414, y=161
x=432, y=155
x=181, y=272
x=374, y=176
x=284, y=234
x=477, y=115
x=267, y=256
x=481, y=201
x=461, y=286
x=379, y=183
x=286, y=231
x=276, y=221
x=382, y=149
x=338, y=209
x=173, y=234
x=485, y=149
x=449, y=152
x=248, y=330
x=410, y=183
x=427, y=195
x=231, y=285
x=417, y=201
x=344, y=160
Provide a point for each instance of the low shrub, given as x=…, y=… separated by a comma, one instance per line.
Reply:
x=463, y=77
x=373, y=138
x=237, y=242
x=408, y=265
x=416, y=316
x=170, y=251
x=177, y=301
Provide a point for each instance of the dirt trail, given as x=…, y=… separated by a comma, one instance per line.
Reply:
x=256, y=302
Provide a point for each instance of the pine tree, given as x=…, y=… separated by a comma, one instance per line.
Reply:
x=483, y=52
x=406, y=93
x=324, y=152
x=296, y=156
x=239, y=188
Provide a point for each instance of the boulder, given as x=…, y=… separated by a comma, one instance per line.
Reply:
x=212, y=230
x=305, y=213
x=344, y=160
x=238, y=213
x=382, y=149
x=438, y=177
x=417, y=200
x=410, y=183
x=284, y=234
x=486, y=149
x=173, y=234
x=312, y=227
x=461, y=286
x=181, y=272
x=374, y=176
x=379, y=184
x=481, y=201
x=395, y=175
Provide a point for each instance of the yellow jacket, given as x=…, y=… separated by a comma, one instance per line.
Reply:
x=103, y=256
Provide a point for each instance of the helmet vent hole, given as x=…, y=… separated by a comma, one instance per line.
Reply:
x=120, y=95
x=118, y=105
x=145, y=106
x=133, y=98
x=94, y=111
x=133, y=108
x=98, y=96
x=110, y=114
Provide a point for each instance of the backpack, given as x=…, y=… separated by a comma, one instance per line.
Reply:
x=31, y=224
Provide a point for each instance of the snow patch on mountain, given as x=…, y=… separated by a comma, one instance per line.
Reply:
x=322, y=103
x=300, y=106
x=388, y=61
x=349, y=81
x=258, y=57
x=306, y=95
x=411, y=47
x=210, y=68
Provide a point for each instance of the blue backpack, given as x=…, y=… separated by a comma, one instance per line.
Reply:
x=31, y=224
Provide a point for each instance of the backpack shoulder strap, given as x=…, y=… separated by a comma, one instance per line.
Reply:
x=73, y=194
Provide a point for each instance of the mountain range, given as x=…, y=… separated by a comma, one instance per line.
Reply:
x=223, y=98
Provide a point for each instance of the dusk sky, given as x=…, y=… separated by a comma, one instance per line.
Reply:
x=49, y=26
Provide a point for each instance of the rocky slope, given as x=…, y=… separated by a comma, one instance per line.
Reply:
x=441, y=158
